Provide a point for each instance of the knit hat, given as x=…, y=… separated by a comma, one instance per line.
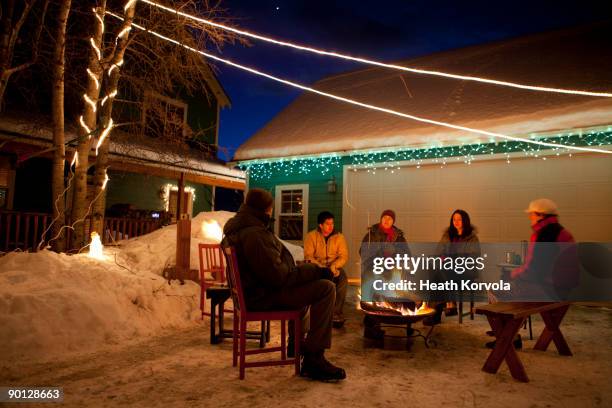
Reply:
x=390, y=213
x=543, y=206
x=259, y=199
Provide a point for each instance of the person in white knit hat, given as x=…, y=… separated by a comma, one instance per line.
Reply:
x=543, y=215
x=545, y=270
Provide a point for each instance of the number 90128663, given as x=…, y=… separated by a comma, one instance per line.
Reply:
x=31, y=394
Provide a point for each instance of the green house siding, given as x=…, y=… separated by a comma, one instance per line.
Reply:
x=318, y=200
x=143, y=192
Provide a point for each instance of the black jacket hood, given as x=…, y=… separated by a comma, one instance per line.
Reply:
x=246, y=217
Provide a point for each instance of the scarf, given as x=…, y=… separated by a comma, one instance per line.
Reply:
x=389, y=232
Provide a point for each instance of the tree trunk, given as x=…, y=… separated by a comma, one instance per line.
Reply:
x=59, y=154
x=80, y=205
x=99, y=208
x=107, y=110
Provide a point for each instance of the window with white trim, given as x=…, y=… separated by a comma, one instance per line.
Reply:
x=291, y=212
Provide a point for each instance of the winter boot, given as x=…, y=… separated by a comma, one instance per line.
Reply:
x=451, y=309
x=316, y=367
x=338, y=322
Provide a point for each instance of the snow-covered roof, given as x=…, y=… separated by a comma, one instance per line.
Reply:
x=38, y=131
x=578, y=58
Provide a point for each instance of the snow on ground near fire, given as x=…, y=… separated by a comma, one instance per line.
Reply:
x=53, y=303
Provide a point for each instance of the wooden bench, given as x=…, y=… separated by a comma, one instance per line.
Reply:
x=506, y=319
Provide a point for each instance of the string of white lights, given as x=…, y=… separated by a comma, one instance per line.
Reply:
x=75, y=160
x=104, y=134
x=80, y=220
x=84, y=125
x=92, y=77
x=378, y=63
x=113, y=92
x=365, y=105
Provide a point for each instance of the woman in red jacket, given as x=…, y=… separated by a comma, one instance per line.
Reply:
x=549, y=271
x=552, y=267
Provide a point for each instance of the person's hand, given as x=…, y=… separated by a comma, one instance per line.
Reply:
x=335, y=271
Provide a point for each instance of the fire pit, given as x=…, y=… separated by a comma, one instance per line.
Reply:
x=399, y=315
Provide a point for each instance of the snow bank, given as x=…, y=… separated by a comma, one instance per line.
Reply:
x=154, y=251
x=53, y=303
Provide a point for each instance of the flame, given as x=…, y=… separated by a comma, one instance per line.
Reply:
x=96, y=249
x=212, y=230
x=403, y=309
x=398, y=307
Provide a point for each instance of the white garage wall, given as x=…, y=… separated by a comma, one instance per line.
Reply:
x=493, y=192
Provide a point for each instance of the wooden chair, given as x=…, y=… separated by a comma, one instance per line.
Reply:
x=212, y=261
x=242, y=316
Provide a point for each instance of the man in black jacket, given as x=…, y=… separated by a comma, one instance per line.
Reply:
x=271, y=280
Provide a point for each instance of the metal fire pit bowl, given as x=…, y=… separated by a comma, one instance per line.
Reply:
x=395, y=319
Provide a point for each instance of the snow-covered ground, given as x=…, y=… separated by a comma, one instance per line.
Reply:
x=180, y=368
x=113, y=332
x=52, y=304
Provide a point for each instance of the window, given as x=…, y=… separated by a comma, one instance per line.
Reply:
x=3, y=197
x=6, y=173
x=187, y=199
x=291, y=212
x=170, y=197
x=164, y=117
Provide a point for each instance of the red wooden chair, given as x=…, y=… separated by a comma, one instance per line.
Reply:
x=212, y=262
x=242, y=316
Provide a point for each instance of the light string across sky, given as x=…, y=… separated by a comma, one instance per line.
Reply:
x=361, y=104
x=378, y=63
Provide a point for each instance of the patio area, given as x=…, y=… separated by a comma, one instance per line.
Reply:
x=181, y=368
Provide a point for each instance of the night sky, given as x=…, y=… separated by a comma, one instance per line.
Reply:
x=387, y=30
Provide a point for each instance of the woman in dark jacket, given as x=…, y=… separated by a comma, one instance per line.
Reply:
x=458, y=240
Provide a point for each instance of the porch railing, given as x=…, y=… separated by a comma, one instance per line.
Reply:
x=118, y=229
x=22, y=230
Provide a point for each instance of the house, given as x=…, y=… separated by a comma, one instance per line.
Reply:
x=145, y=164
x=323, y=154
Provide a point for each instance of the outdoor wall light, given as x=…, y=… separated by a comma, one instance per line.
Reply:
x=331, y=185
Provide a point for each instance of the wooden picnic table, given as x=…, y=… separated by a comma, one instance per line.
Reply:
x=506, y=319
